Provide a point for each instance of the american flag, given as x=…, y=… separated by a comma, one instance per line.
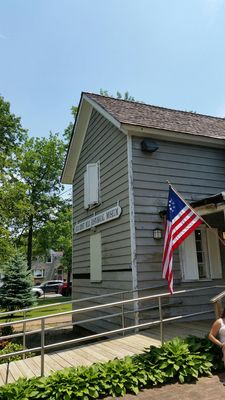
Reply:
x=181, y=221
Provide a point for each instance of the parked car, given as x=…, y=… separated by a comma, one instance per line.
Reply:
x=51, y=286
x=37, y=291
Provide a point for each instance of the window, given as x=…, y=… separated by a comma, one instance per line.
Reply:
x=91, y=185
x=60, y=274
x=38, y=273
x=96, y=257
x=200, y=255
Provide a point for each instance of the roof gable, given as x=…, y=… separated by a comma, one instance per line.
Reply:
x=133, y=116
x=144, y=115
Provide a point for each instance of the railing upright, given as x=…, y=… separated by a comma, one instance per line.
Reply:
x=161, y=321
x=24, y=333
x=42, y=347
x=122, y=313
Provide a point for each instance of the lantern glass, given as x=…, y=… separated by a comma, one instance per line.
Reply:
x=157, y=233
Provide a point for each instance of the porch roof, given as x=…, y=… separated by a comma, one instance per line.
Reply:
x=215, y=199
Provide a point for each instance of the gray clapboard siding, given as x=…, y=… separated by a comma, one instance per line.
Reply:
x=195, y=190
x=182, y=166
x=181, y=181
x=179, y=172
x=84, y=285
x=116, y=252
x=195, y=171
x=185, y=149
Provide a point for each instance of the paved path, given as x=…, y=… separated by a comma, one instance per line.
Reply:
x=204, y=389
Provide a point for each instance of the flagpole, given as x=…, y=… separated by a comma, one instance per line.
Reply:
x=188, y=205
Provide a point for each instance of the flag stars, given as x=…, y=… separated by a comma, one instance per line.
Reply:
x=171, y=205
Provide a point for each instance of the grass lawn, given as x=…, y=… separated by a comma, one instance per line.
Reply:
x=51, y=309
x=45, y=311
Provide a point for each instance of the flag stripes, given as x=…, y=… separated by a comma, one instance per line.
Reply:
x=181, y=221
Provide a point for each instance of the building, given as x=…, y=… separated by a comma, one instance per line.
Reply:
x=120, y=157
x=48, y=268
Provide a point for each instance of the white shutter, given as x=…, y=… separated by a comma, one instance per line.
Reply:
x=96, y=257
x=188, y=258
x=214, y=253
x=91, y=185
x=92, y=176
x=86, y=191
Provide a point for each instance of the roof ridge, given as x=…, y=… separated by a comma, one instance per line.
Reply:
x=156, y=107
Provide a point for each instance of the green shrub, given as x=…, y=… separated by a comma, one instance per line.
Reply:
x=204, y=346
x=177, y=360
x=11, y=347
x=7, y=330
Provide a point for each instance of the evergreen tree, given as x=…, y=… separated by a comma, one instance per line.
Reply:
x=16, y=291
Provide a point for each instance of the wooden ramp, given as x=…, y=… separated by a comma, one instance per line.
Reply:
x=103, y=351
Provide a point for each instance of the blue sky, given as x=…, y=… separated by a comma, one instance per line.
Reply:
x=168, y=53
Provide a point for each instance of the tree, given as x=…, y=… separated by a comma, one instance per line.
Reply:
x=126, y=95
x=16, y=291
x=11, y=135
x=56, y=234
x=39, y=168
x=14, y=208
x=12, y=199
x=68, y=131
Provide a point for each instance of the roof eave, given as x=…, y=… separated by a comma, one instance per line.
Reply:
x=76, y=142
x=85, y=108
x=173, y=136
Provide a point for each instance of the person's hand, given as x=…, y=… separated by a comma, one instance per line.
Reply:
x=223, y=347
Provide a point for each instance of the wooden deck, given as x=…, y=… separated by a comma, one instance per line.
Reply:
x=100, y=351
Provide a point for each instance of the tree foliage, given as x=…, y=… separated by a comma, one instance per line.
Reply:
x=11, y=135
x=39, y=168
x=119, y=95
x=56, y=233
x=17, y=283
x=30, y=188
x=12, y=192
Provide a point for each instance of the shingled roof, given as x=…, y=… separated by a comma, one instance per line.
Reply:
x=144, y=115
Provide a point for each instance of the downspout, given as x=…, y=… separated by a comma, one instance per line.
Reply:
x=132, y=227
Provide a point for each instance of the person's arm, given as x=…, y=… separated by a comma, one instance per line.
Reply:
x=213, y=333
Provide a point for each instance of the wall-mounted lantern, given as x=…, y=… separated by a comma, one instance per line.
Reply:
x=149, y=146
x=157, y=234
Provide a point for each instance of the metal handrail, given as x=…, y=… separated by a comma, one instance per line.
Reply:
x=124, y=329
x=16, y=335
x=217, y=302
x=100, y=306
x=219, y=296
x=25, y=310
x=103, y=334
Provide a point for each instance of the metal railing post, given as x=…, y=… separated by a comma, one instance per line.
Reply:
x=42, y=347
x=24, y=334
x=122, y=315
x=161, y=322
x=7, y=372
